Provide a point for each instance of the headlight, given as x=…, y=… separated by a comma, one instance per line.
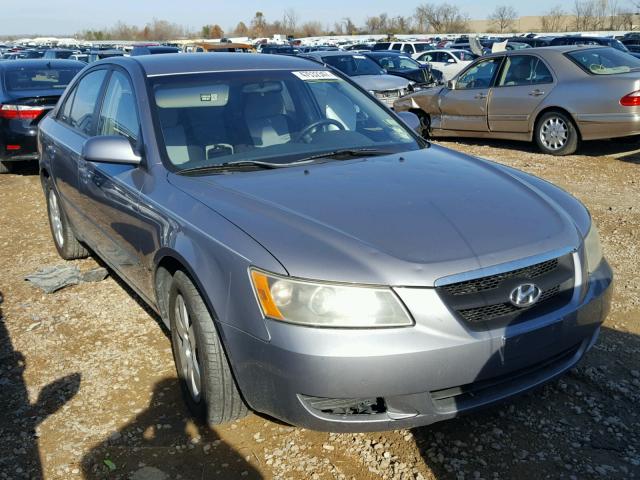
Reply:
x=327, y=305
x=592, y=248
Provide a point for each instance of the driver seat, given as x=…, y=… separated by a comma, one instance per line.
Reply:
x=267, y=123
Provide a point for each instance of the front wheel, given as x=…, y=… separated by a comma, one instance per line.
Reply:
x=555, y=134
x=207, y=383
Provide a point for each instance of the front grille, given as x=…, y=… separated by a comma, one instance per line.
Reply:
x=484, y=302
x=488, y=283
x=490, y=312
x=388, y=96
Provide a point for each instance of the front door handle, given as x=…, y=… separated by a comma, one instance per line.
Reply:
x=481, y=96
x=536, y=93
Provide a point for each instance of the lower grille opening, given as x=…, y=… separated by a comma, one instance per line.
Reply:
x=346, y=406
x=466, y=396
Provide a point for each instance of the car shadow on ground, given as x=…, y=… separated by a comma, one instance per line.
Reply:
x=162, y=443
x=19, y=454
x=583, y=425
x=23, y=168
x=623, y=149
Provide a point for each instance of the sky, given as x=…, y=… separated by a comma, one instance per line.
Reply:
x=70, y=16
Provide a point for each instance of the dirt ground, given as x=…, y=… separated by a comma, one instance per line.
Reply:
x=88, y=387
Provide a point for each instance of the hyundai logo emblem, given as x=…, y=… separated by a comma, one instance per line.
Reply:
x=525, y=295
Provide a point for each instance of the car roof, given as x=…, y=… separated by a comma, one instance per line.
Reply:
x=182, y=63
x=553, y=50
x=40, y=62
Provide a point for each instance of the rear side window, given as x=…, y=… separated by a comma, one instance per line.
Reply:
x=524, y=70
x=84, y=101
x=408, y=48
x=30, y=78
x=604, y=61
x=396, y=46
x=119, y=115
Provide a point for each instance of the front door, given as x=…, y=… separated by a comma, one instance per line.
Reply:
x=523, y=83
x=111, y=190
x=465, y=106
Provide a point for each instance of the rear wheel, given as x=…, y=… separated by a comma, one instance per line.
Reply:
x=203, y=369
x=555, y=134
x=64, y=239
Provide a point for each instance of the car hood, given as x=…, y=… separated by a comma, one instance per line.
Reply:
x=406, y=219
x=380, y=82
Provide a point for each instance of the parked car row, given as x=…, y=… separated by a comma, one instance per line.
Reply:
x=555, y=96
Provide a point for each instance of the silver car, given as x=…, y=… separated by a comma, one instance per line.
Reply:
x=366, y=73
x=313, y=258
x=555, y=96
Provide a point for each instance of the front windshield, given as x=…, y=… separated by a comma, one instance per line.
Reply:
x=465, y=56
x=397, y=62
x=270, y=116
x=353, y=65
x=604, y=61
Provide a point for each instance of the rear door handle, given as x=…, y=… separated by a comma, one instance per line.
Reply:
x=536, y=93
x=481, y=96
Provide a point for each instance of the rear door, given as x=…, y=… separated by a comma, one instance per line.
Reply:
x=523, y=83
x=465, y=107
x=75, y=122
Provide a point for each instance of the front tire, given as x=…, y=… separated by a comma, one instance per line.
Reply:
x=556, y=134
x=66, y=243
x=207, y=383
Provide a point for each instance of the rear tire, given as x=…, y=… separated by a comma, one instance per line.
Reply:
x=66, y=243
x=5, y=167
x=204, y=373
x=556, y=134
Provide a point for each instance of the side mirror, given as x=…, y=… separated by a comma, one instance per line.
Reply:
x=411, y=120
x=110, y=149
x=451, y=85
x=451, y=60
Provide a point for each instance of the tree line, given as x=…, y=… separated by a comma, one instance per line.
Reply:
x=428, y=18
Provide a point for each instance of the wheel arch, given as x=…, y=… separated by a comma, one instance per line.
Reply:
x=553, y=108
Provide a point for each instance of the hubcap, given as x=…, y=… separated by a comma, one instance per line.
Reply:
x=554, y=133
x=187, y=348
x=56, y=220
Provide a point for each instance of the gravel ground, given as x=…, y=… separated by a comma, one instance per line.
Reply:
x=88, y=387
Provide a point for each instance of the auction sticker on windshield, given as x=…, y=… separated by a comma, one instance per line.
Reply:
x=315, y=76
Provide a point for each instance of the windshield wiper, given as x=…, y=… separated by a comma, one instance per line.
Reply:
x=347, y=154
x=242, y=164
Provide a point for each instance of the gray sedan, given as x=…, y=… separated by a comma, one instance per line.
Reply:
x=313, y=258
x=555, y=96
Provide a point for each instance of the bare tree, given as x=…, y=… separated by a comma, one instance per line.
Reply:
x=553, y=20
x=259, y=25
x=311, y=29
x=503, y=18
x=441, y=18
x=290, y=21
x=241, y=30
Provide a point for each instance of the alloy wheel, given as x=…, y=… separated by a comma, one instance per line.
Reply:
x=187, y=349
x=56, y=218
x=554, y=133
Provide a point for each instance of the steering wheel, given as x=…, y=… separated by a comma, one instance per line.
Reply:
x=309, y=129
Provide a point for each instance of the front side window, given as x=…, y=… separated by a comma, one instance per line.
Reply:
x=524, y=70
x=84, y=101
x=465, y=56
x=604, y=61
x=396, y=46
x=408, y=48
x=119, y=115
x=276, y=116
x=479, y=75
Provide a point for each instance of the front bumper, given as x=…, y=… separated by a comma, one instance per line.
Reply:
x=433, y=371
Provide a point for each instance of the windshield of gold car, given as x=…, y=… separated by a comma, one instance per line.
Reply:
x=269, y=116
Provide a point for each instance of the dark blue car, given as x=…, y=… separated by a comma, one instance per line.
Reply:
x=28, y=90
